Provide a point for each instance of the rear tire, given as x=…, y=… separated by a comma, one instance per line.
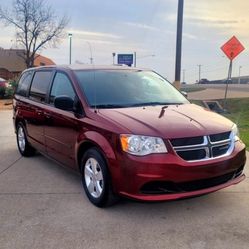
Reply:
x=96, y=179
x=22, y=143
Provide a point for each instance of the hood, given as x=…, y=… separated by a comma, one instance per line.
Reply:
x=175, y=121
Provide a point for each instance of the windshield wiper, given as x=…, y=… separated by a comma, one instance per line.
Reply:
x=154, y=104
x=108, y=106
x=147, y=104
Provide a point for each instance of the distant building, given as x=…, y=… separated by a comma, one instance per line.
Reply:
x=12, y=62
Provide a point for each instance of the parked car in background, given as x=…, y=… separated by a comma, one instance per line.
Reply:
x=3, y=86
x=2, y=81
x=128, y=131
x=204, y=81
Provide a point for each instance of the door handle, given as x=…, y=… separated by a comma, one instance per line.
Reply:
x=38, y=112
x=47, y=115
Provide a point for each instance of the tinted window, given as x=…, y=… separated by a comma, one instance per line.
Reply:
x=61, y=87
x=123, y=88
x=24, y=83
x=40, y=85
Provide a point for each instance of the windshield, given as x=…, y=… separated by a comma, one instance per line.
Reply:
x=124, y=88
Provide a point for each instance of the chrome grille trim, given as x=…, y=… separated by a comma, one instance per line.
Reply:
x=208, y=146
x=221, y=141
x=205, y=142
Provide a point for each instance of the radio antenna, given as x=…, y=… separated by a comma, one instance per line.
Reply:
x=94, y=83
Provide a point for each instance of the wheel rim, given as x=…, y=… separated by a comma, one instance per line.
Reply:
x=21, y=139
x=93, y=178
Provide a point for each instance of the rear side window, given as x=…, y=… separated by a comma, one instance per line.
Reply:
x=40, y=85
x=61, y=87
x=24, y=83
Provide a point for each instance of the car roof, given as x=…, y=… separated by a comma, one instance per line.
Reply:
x=79, y=67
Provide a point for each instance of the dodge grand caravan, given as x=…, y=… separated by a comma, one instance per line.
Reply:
x=128, y=131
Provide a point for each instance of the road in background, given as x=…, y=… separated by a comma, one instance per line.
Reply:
x=217, y=91
x=42, y=205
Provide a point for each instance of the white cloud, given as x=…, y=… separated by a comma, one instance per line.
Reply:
x=227, y=17
x=88, y=34
x=141, y=26
x=8, y=39
x=190, y=36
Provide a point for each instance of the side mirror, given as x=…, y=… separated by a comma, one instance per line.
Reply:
x=64, y=103
x=185, y=94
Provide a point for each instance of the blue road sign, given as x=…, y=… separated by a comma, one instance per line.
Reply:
x=126, y=59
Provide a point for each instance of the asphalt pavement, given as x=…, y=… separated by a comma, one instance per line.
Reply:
x=217, y=91
x=42, y=205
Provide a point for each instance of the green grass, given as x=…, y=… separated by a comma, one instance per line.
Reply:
x=239, y=113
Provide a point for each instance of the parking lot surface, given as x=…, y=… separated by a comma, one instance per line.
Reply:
x=42, y=205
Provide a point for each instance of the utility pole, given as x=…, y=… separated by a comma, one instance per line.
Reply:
x=239, y=74
x=177, y=82
x=199, y=73
x=70, y=48
x=183, y=75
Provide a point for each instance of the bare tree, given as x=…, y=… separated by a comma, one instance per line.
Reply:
x=36, y=26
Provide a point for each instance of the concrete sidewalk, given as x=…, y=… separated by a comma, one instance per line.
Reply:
x=42, y=205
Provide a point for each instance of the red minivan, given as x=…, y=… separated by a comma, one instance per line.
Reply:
x=128, y=131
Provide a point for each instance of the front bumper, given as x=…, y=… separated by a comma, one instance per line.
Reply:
x=163, y=197
x=136, y=172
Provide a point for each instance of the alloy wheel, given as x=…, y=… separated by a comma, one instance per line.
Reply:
x=93, y=177
x=21, y=138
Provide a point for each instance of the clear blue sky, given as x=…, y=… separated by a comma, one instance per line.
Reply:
x=149, y=27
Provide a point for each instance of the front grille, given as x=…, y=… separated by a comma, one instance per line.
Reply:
x=220, y=150
x=190, y=155
x=205, y=183
x=220, y=136
x=204, y=147
x=186, y=141
x=169, y=187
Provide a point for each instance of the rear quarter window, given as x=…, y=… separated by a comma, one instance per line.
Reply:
x=24, y=83
x=39, y=86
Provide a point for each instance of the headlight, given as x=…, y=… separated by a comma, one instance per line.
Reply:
x=142, y=145
x=235, y=133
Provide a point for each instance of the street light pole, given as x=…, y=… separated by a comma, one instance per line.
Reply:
x=179, y=44
x=113, y=58
x=239, y=74
x=135, y=59
x=70, y=47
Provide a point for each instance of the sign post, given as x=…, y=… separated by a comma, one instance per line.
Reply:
x=232, y=49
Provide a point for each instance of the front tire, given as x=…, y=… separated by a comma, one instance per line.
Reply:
x=22, y=143
x=96, y=179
